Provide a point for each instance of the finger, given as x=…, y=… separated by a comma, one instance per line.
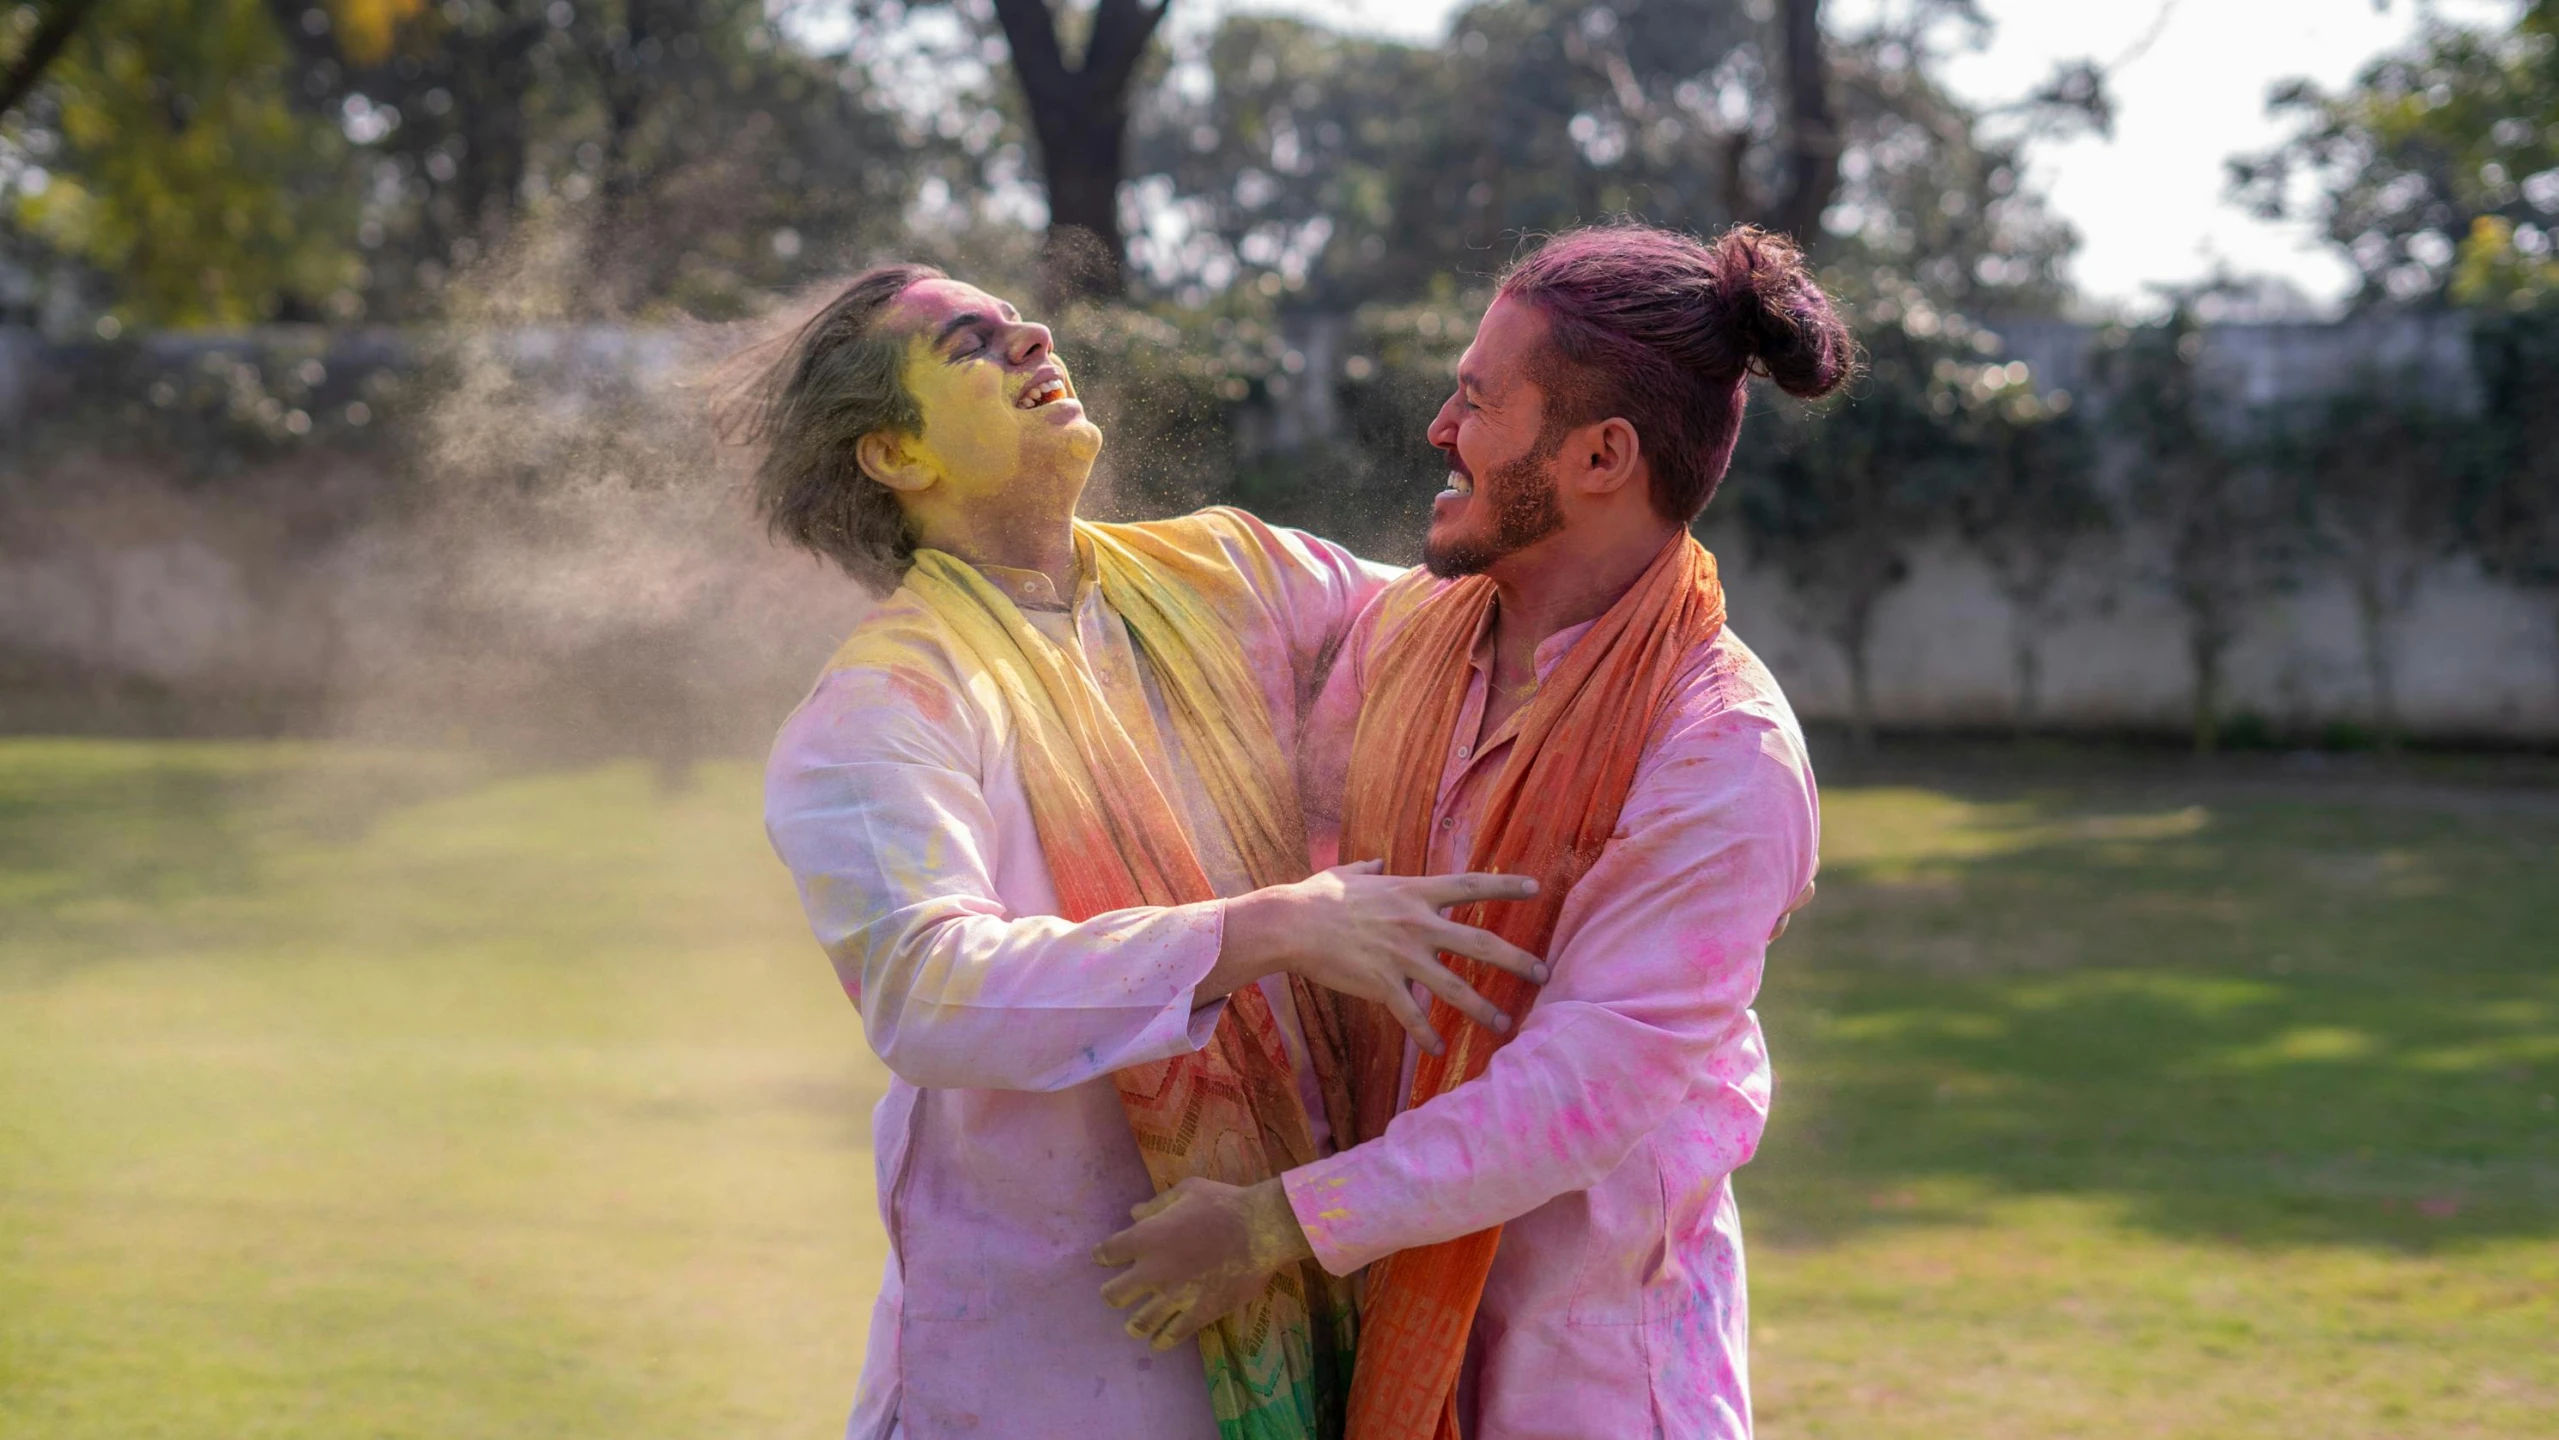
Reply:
x=1443, y=891
x=1446, y=985
x=1188, y=1322
x=1155, y=1204
x=1804, y=899
x=1362, y=867
x=1777, y=932
x=1120, y=1249
x=1125, y=1289
x=1152, y=1316
x=1399, y=1000
x=1490, y=948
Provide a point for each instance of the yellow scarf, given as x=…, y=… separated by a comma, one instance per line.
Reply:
x=1279, y=1367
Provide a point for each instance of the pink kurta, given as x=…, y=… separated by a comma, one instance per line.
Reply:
x=1002, y=1153
x=1604, y=1135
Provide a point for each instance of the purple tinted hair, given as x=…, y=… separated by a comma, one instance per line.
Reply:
x=1661, y=328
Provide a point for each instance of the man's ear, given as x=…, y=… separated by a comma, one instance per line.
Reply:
x=1601, y=459
x=891, y=459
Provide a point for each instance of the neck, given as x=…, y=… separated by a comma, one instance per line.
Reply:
x=1048, y=548
x=1570, y=577
x=1040, y=537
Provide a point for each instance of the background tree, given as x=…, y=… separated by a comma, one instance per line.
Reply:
x=2379, y=468
x=2224, y=533
x=2512, y=520
x=1080, y=114
x=2437, y=169
x=172, y=175
x=2027, y=503
x=222, y=161
x=1356, y=171
x=706, y=156
x=1837, y=498
x=39, y=32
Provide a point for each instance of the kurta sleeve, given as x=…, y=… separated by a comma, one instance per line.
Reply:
x=873, y=800
x=1656, y=961
x=1313, y=589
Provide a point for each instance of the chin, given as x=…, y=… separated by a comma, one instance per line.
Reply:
x=1449, y=552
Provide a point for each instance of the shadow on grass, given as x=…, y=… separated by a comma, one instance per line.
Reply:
x=2261, y=1020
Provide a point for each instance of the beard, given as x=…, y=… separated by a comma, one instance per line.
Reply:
x=1524, y=512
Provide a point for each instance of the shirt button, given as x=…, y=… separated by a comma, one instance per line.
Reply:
x=1465, y=750
x=1448, y=822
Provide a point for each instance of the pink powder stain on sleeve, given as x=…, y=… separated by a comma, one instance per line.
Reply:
x=930, y=699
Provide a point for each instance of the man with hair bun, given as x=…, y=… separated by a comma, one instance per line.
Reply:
x=1544, y=1213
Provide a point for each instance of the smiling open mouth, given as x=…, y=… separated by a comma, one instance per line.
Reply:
x=1459, y=484
x=1041, y=394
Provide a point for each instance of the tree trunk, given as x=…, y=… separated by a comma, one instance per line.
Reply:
x=1080, y=118
x=1853, y=643
x=2029, y=666
x=1081, y=257
x=2204, y=648
x=2554, y=637
x=2373, y=619
x=1812, y=135
x=52, y=33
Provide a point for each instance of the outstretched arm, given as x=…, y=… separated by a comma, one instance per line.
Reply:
x=874, y=801
x=883, y=821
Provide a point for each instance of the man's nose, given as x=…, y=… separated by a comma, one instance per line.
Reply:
x=1030, y=344
x=1443, y=431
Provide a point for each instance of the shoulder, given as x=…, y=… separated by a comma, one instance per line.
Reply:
x=1727, y=724
x=895, y=690
x=1396, y=605
x=1272, y=557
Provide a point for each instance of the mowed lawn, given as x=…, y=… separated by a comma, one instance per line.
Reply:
x=365, y=1094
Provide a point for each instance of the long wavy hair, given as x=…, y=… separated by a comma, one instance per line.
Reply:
x=840, y=376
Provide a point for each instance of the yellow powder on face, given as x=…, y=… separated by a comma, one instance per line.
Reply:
x=972, y=434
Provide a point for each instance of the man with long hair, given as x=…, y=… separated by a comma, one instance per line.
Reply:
x=1544, y=1212
x=1043, y=813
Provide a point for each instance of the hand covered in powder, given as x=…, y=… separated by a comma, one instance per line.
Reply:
x=1197, y=1252
x=1362, y=932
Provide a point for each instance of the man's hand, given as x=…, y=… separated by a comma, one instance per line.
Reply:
x=1365, y=933
x=1196, y=1252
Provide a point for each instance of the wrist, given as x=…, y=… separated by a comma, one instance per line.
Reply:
x=1255, y=942
x=1250, y=943
x=1277, y=1237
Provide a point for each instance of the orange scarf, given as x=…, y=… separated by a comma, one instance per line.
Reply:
x=1113, y=840
x=1549, y=814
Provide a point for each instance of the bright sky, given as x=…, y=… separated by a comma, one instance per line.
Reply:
x=2148, y=203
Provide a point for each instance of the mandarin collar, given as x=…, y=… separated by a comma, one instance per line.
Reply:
x=1032, y=589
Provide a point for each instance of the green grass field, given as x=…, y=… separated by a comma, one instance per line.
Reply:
x=350, y=1094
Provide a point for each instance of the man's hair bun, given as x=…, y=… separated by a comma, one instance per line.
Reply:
x=1661, y=327
x=1781, y=322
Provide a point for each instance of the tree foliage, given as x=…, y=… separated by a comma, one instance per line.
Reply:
x=2029, y=504
x=2512, y=521
x=1349, y=170
x=2378, y=469
x=221, y=161
x=2437, y=169
x=1838, y=497
x=166, y=159
x=2220, y=516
